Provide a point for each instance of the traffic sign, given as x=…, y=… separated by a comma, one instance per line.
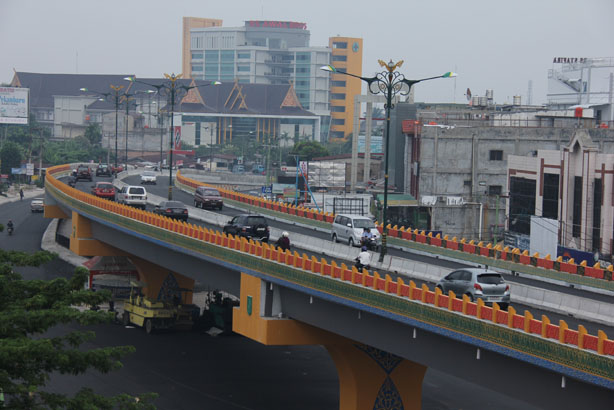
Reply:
x=267, y=189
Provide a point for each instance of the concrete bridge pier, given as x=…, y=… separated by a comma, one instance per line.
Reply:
x=161, y=282
x=368, y=378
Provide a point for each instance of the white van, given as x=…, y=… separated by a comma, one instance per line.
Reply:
x=133, y=196
x=350, y=227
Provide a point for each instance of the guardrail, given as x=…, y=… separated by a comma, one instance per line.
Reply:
x=572, y=349
x=511, y=259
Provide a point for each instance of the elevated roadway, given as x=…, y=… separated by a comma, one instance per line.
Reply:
x=382, y=334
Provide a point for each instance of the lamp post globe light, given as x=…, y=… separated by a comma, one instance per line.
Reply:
x=115, y=97
x=390, y=83
x=172, y=89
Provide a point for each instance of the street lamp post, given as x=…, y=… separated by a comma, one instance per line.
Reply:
x=116, y=100
x=390, y=83
x=172, y=88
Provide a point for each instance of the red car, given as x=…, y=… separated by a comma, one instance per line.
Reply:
x=104, y=190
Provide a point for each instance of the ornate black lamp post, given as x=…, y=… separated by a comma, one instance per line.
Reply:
x=115, y=97
x=172, y=89
x=390, y=83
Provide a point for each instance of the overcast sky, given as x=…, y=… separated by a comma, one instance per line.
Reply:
x=491, y=44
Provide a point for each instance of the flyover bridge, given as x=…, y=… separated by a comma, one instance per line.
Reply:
x=381, y=333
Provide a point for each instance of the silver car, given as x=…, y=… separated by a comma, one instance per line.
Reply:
x=477, y=284
x=37, y=205
x=350, y=228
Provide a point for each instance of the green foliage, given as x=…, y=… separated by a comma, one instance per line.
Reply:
x=93, y=134
x=11, y=156
x=77, y=149
x=28, y=357
x=307, y=150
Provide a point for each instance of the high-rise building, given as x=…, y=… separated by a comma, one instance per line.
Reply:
x=190, y=23
x=264, y=52
x=346, y=56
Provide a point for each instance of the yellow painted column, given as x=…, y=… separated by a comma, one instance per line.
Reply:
x=368, y=378
x=373, y=379
x=160, y=280
x=82, y=243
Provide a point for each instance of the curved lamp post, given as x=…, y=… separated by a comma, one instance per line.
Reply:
x=172, y=89
x=390, y=83
x=116, y=100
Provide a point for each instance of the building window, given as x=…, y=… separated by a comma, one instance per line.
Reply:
x=337, y=108
x=340, y=58
x=197, y=55
x=303, y=57
x=577, y=207
x=227, y=56
x=496, y=155
x=341, y=44
x=337, y=96
x=337, y=83
x=550, y=207
x=522, y=204
x=494, y=190
x=467, y=182
x=242, y=56
x=336, y=121
x=197, y=67
x=302, y=69
x=243, y=68
x=212, y=56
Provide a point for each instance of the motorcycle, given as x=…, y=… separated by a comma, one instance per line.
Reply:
x=370, y=243
x=359, y=266
x=9, y=230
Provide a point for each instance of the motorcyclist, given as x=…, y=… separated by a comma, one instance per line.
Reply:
x=366, y=236
x=10, y=226
x=363, y=261
x=284, y=241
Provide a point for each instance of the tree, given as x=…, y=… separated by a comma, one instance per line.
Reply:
x=28, y=357
x=307, y=150
x=11, y=156
x=93, y=134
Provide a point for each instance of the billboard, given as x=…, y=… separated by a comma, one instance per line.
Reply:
x=14, y=105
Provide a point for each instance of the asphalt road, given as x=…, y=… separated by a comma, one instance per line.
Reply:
x=193, y=370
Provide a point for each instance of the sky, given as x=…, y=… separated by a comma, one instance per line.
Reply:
x=490, y=44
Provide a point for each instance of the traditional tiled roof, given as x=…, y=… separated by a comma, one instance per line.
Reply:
x=228, y=98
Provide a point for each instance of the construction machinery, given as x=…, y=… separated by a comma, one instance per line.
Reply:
x=157, y=315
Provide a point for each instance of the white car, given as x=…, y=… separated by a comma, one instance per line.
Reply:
x=37, y=205
x=133, y=196
x=148, y=177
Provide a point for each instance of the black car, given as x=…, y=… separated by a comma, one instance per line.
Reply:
x=83, y=172
x=249, y=226
x=103, y=170
x=172, y=209
x=206, y=197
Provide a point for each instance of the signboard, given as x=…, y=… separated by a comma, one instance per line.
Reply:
x=376, y=144
x=14, y=105
x=276, y=24
x=289, y=192
x=30, y=169
x=304, y=166
x=177, y=134
x=267, y=189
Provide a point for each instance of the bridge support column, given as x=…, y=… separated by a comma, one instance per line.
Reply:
x=162, y=283
x=369, y=379
x=82, y=243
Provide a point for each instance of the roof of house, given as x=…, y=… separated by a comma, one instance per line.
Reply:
x=196, y=96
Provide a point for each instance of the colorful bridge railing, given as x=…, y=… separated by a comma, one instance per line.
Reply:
x=554, y=343
x=485, y=253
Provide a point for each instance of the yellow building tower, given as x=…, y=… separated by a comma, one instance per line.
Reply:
x=347, y=56
x=190, y=23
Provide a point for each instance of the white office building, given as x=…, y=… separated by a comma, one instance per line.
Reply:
x=265, y=52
